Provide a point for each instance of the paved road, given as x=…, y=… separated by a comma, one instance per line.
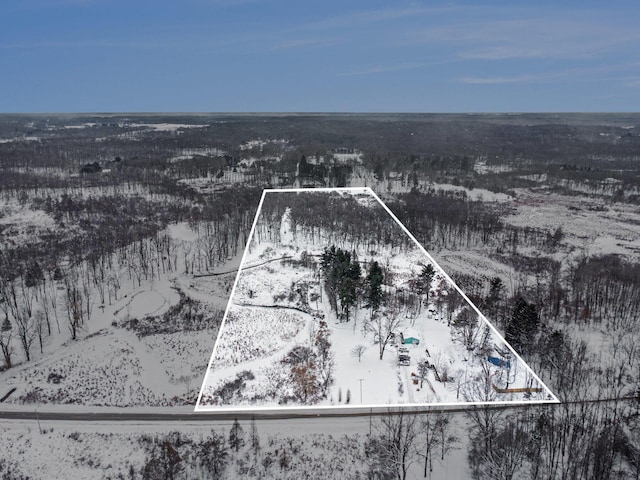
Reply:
x=181, y=417
x=142, y=417
x=335, y=413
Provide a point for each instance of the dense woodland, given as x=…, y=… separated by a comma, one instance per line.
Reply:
x=574, y=318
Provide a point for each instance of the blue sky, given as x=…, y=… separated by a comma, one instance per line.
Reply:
x=328, y=56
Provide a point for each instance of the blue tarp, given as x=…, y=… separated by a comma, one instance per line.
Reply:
x=499, y=362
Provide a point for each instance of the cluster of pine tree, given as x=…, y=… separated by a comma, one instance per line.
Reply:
x=342, y=279
x=342, y=273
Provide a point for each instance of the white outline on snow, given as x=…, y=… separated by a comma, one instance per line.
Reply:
x=378, y=407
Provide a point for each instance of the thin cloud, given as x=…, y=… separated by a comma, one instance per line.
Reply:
x=394, y=68
x=383, y=69
x=376, y=16
x=507, y=79
x=87, y=44
x=48, y=4
x=582, y=74
x=305, y=42
x=527, y=38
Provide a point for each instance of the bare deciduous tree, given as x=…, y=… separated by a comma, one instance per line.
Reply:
x=5, y=341
x=358, y=351
x=391, y=450
x=383, y=325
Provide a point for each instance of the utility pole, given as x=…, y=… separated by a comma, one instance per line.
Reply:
x=361, y=380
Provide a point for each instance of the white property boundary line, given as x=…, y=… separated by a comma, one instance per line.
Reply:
x=233, y=291
x=303, y=408
x=480, y=314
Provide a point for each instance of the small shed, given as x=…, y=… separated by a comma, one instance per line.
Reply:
x=499, y=362
x=411, y=341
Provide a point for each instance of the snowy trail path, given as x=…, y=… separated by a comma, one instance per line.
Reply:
x=408, y=383
x=154, y=374
x=433, y=390
x=286, y=234
x=246, y=267
x=278, y=307
x=217, y=299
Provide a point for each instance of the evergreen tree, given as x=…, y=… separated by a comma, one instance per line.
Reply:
x=33, y=275
x=331, y=277
x=492, y=301
x=374, y=286
x=322, y=341
x=236, y=436
x=349, y=286
x=495, y=288
x=523, y=326
x=57, y=274
x=254, y=437
x=425, y=278
x=341, y=279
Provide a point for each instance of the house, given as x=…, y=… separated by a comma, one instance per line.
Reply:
x=91, y=168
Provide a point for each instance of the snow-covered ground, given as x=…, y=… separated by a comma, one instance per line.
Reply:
x=109, y=364
x=365, y=178
x=166, y=127
x=588, y=224
x=20, y=139
x=189, y=153
x=272, y=285
x=20, y=225
x=259, y=143
x=316, y=448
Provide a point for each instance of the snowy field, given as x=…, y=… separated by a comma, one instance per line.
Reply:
x=19, y=224
x=589, y=224
x=260, y=333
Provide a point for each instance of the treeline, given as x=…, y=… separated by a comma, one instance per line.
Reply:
x=92, y=226
x=575, y=153
x=577, y=327
x=331, y=218
x=442, y=219
x=593, y=434
x=60, y=278
x=602, y=292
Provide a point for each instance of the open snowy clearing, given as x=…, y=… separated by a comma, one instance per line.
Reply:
x=588, y=224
